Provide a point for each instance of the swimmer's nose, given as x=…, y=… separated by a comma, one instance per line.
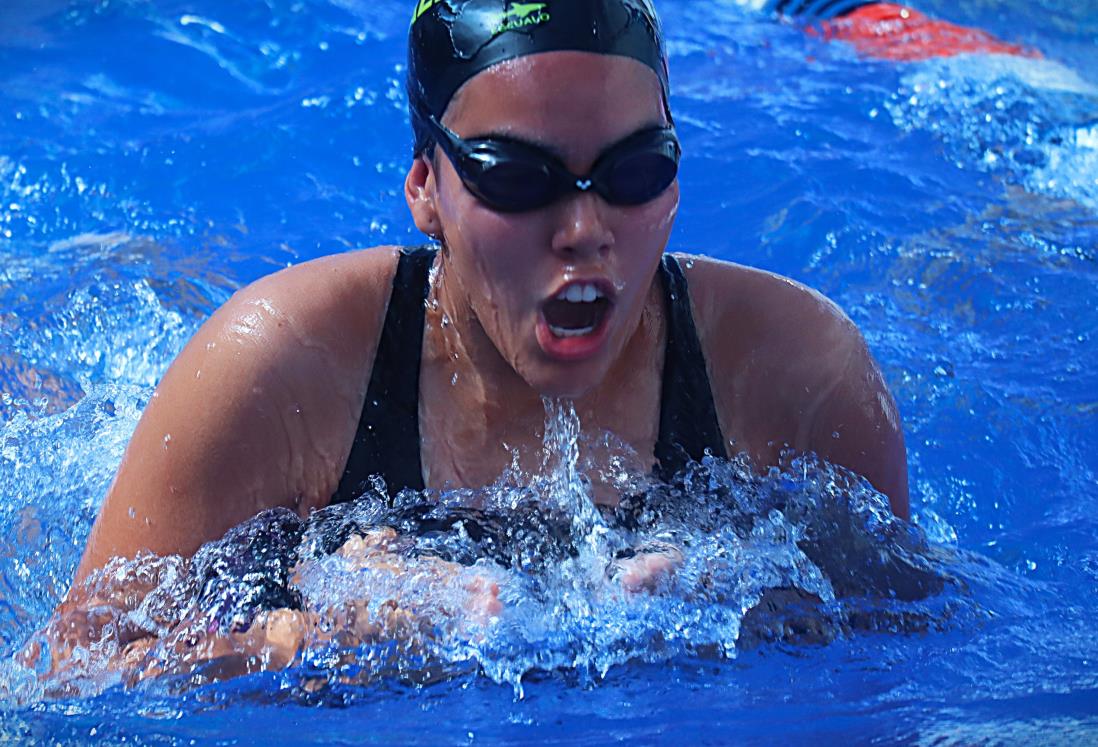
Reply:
x=582, y=228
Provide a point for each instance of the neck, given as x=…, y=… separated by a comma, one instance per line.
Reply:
x=477, y=408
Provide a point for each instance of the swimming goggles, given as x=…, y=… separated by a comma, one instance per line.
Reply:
x=511, y=176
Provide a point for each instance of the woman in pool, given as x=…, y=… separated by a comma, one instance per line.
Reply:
x=545, y=168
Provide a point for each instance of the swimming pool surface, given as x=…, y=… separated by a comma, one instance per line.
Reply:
x=155, y=156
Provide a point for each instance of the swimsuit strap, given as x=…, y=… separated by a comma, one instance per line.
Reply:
x=387, y=441
x=689, y=428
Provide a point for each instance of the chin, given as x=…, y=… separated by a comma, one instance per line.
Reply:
x=566, y=382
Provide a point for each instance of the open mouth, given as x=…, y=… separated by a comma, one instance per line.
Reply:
x=577, y=310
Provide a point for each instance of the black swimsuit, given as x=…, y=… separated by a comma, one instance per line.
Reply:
x=387, y=443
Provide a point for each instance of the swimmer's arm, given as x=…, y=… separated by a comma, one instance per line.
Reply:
x=843, y=410
x=855, y=423
x=258, y=411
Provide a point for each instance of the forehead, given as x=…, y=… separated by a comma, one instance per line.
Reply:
x=562, y=99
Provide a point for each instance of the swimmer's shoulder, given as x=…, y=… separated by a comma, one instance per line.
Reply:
x=336, y=296
x=761, y=316
x=314, y=326
x=303, y=340
x=259, y=410
x=789, y=368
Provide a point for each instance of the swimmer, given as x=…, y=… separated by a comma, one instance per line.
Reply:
x=544, y=171
x=889, y=31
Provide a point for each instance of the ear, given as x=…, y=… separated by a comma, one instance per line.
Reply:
x=420, y=193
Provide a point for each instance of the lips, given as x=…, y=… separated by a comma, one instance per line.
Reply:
x=573, y=323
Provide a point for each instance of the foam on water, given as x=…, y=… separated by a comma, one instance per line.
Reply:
x=1032, y=120
x=520, y=577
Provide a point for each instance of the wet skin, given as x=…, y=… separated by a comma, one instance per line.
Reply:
x=261, y=407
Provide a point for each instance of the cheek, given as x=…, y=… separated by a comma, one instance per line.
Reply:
x=491, y=253
x=659, y=216
x=643, y=238
x=643, y=234
x=492, y=276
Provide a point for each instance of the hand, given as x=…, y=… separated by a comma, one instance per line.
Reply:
x=273, y=641
x=646, y=568
x=94, y=631
x=376, y=551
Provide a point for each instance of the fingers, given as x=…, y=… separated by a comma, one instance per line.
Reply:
x=483, y=603
x=30, y=654
x=273, y=641
x=648, y=570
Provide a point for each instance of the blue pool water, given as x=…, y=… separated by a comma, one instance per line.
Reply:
x=156, y=156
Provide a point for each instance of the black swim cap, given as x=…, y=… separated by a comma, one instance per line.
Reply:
x=450, y=41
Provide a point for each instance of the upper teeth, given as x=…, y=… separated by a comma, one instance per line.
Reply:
x=580, y=292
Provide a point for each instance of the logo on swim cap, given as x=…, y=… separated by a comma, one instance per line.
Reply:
x=515, y=16
x=522, y=15
x=422, y=6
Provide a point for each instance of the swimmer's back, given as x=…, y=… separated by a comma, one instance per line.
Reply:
x=258, y=411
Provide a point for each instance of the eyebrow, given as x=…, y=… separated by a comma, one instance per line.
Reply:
x=529, y=142
x=553, y=151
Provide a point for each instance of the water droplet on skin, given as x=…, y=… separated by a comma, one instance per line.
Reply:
x=211, y=345
x=132, y=512
x=834, y=434
x=445, y=321
x=690, y=264
x=198, y=373
x=167, y=439
x=454, y=379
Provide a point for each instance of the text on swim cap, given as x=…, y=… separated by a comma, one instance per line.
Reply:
x=516, y=15
x=521, y=15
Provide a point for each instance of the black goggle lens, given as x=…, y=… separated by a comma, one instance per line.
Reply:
x=515, y=177
x=512, y=185
x=636, y=179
